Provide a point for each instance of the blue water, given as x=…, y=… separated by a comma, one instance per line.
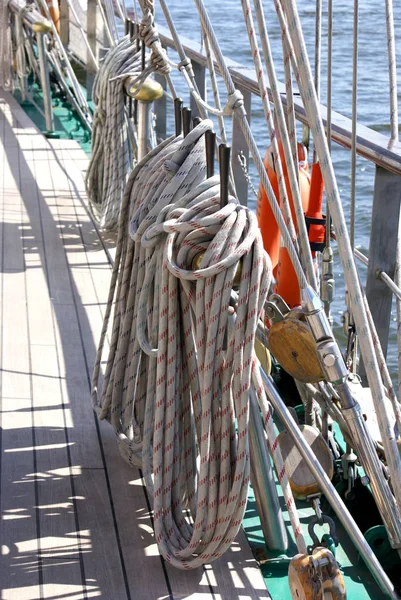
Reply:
x=373, y=94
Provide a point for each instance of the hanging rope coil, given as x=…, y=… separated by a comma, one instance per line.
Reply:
x=179, y=367
x=112, y=153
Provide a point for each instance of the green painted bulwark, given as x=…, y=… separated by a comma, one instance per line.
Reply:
x=67, y=124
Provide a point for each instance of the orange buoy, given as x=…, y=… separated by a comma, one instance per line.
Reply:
x=287, y=283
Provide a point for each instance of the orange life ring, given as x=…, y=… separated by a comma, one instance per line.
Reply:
x=287, y=282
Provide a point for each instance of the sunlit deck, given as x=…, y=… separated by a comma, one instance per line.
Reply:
x=75, y=518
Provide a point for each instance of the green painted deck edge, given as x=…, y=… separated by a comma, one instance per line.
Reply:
x=67, y=125
x=359, y=582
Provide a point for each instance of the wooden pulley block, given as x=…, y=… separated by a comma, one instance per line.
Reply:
x=316, y=576
x=302, y=481
x=291, y=342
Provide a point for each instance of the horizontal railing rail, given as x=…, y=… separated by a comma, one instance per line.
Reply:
x=371, y=144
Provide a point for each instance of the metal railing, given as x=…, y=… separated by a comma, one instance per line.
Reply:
x=40, y=26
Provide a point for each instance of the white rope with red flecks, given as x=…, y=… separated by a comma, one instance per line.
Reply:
x=112, y=152
x=178, y=373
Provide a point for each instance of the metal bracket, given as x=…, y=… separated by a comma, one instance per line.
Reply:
x=276, y=308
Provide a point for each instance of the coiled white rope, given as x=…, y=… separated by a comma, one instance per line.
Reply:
x=112, y=156
x=179, y=369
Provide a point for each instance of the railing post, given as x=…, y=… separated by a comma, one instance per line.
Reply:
x=45, y=81
x=64, y=23
x=91, y=20
x=160, y=111
x=144, y=112
x=382, y=250
x=22, y=78
x=262, y=479
x=239, y=146
x=200, y=78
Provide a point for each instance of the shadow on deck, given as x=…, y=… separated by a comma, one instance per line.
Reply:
x=76, y=519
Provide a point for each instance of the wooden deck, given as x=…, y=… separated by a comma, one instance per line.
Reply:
x=75, y=518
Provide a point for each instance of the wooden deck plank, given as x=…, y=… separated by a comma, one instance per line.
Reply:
x=95, y=530
x=131, y=544
x=103, y=567
x=18, y=526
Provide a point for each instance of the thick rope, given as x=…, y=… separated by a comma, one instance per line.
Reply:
x=290, y=108
x=178, y=373
x=214, y=85
x=112, y=154
x=318, y=53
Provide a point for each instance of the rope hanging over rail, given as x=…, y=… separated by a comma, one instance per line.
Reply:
x=112, y=157
x=179, y=368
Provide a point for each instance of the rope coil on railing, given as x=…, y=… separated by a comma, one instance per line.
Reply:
x=112, y=155
x=170, y=388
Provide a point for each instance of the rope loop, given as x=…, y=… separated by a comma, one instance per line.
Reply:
x=158, y=60
x=234, y=102
x=184, y=63
x=150, y=36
